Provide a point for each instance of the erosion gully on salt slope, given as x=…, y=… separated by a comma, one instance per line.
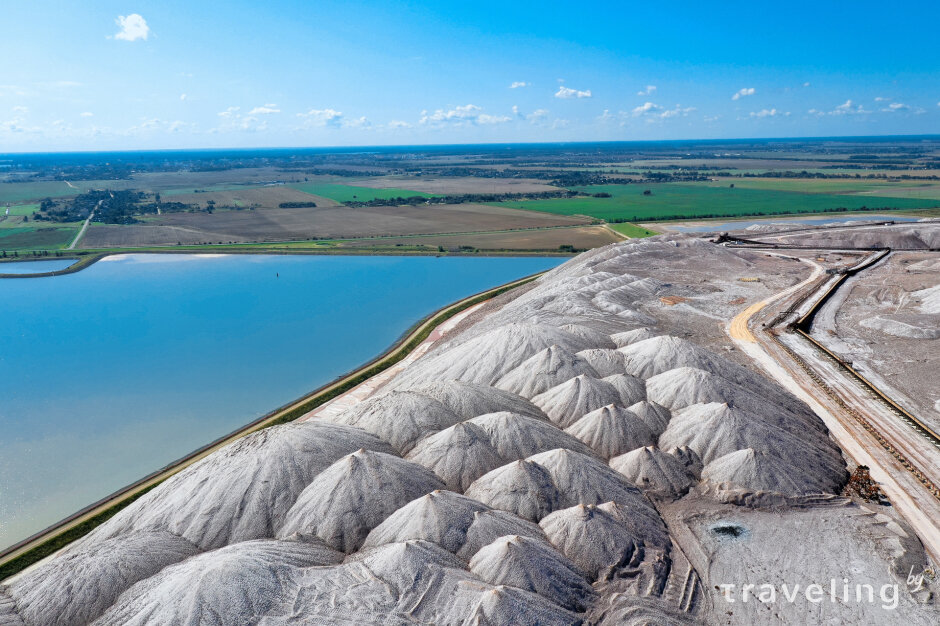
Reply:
x=112, y=372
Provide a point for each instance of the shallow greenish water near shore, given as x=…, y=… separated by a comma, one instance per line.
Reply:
x=112, y=372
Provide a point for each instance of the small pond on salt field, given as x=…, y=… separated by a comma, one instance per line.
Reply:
x=112, y=372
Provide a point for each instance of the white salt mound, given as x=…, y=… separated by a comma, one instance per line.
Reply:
x=581, y=479
x=612, y=430
x=570, y=401
x=488, y=357
x=596, y=338
x=468, y=400
x=535, y=566
x=758, y=471
x=523, y=488
x=233, y=585
x=689, y=458
x=714, y=430
x=543, y=370
x=399, y=417
x=636, y=335
x=630, y=388
x=655, y=471
x=354, y=495
x=457, y=455
x=606, y=362
x=601, y=539
x=244, y=490
x=654, y=415
x=518, y=436
x=80, y=585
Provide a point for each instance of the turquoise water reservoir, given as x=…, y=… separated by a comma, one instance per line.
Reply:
x=112, y=372
x=34, y=267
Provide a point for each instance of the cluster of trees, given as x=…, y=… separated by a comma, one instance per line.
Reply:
x=838, y=176
x=460, y=199
x=297, y=205
x=109, y=207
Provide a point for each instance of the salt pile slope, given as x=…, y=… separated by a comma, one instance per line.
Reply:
x=244, y=490
x=354, y=495
x=446, y=499
x=655, y=471
x=612, y=430
x=552, y=366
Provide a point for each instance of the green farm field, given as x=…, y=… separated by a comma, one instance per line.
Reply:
x=632, y=230
x=683, y=201
x=19, y=209
x=348, y=193
x=905, y=189
x=22, y=192
x=36, y=238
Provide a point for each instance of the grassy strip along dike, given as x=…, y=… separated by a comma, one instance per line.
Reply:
x=18, y=557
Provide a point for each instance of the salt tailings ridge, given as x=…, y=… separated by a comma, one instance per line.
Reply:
x=566, y=458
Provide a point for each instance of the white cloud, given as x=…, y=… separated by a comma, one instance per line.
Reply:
x=882, y=99
x=567, y=92
x=711, y=119
x=648, y=91
x=537, y=116
x=232, y=119
x=396, y=124
x=156, y=124
x=321, y=117
x=267, y=109
x=133, y=27
x=359, y=122
x=86, y=114
x=517, y=84
x=745, y=91
x=654, y=112
x=767, y=113
x=846, y=108
x=20, y=109
x=468, y=114
x=484, y=118
x=647, y=107
x=182, y=96
x=806, y=84
x=620, y=117
x=515, y=110
x=678, y=111
x=897, y=107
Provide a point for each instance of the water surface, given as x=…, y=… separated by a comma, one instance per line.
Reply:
x=112, y=372
x=35, y=267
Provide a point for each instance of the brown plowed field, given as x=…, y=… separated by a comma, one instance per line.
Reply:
x=321, y=222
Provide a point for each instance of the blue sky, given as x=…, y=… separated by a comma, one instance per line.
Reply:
x=139, y=75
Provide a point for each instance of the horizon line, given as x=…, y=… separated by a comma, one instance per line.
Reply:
x=926, y=136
